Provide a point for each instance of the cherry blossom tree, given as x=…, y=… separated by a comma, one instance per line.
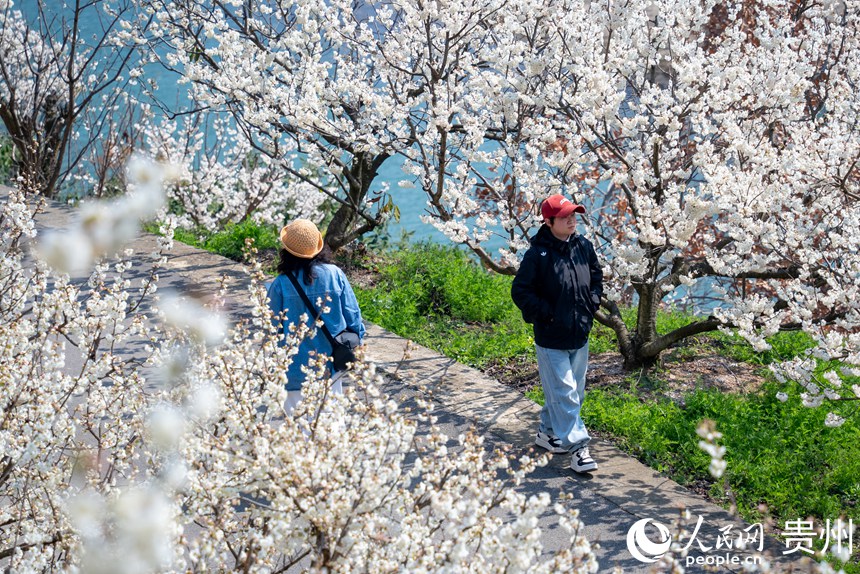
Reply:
x=347, y=85
x=66, y=429
x=344, y=482
x=60, y=87
x=714, y=144
x=223, y=178
x=725, y=142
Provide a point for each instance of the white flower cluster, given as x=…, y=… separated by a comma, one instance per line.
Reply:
x=71, y=402
x=103, y=228
x=707, y=431
x=826, y=387
x=222, y=178
x=128, y=531
x=21, y=50
x=344, y=482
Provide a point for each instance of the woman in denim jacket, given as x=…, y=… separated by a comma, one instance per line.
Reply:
x=305, y=256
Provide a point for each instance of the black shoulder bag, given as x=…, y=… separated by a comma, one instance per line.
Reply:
x=343, y=345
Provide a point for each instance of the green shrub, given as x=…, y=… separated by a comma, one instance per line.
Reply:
x=6, y=167
x=440, y=297
x=190, y=237
x=231, y=241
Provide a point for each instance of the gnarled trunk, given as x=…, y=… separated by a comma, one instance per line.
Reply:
x=350, y=220
x=641, y=347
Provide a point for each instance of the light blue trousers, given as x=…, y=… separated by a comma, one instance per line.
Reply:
x=562, y=376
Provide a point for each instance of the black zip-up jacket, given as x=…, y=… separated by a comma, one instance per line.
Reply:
x=558, y=289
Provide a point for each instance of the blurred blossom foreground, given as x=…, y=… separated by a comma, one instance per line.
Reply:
x=206, y=471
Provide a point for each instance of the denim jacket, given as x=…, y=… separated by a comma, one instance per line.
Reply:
x=329, y=281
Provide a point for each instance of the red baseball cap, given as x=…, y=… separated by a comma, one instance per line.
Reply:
x=559, y=206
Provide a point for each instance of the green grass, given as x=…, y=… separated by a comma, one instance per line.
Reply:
x=6, y=166
x=228, y=242
x=441, y=298
x=781, y=459
x=779, y=454
x=784, y=346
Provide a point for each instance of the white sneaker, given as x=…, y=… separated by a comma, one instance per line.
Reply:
x=550, y=442
x=581, y=461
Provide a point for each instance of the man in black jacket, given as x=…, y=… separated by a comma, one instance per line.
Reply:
x=558, y=289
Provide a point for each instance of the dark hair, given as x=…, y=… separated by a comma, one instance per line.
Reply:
x=289, y=263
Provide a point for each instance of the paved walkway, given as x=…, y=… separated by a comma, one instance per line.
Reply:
x=622, y=492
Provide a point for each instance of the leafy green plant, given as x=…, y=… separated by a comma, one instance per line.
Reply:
x=229, y=242
x=779, y=454
x=6, y=163
x=440, y=297
x=190, y=237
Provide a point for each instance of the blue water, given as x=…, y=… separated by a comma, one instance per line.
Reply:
x=413, y=204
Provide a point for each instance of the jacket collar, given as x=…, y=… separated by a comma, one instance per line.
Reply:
x=545, y=238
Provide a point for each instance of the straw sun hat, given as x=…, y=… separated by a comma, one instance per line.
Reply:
x=302, y=238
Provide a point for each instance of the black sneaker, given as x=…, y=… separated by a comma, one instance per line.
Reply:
x=581, y=461
x=550, y=442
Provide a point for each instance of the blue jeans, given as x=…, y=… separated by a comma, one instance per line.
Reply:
x=562, y=376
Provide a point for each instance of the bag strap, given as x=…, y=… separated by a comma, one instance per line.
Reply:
x=317, y=315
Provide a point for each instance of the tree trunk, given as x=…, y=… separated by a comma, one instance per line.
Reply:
x=642, y=347
x=347, y=224
x=646, y=313
x=629, y=342
x=645, y=332
x=635, y=358
x=337, y=234
x=39, y=143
